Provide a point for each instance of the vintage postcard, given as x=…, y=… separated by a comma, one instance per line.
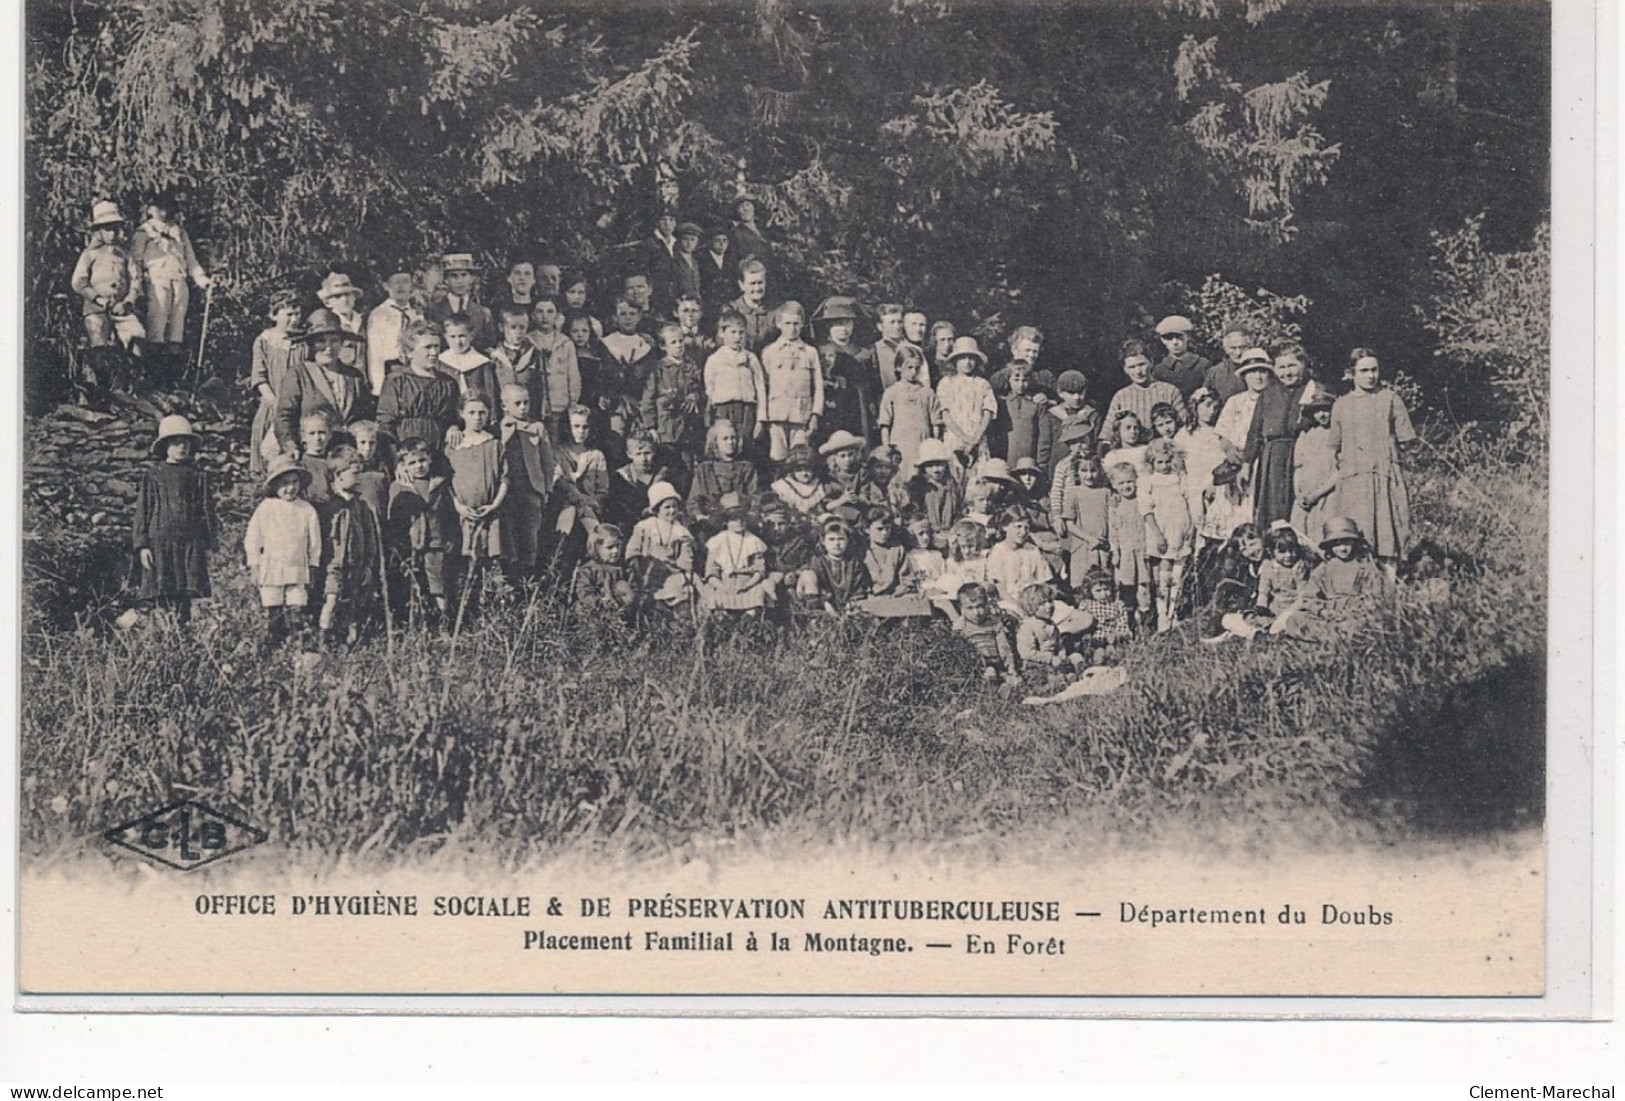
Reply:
x=948, y=506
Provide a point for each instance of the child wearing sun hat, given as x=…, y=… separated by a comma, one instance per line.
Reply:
x=283, y=546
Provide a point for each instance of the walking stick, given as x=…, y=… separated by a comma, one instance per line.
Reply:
x=203, y=337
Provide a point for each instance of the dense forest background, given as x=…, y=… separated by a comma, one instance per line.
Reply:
x=1084, y=166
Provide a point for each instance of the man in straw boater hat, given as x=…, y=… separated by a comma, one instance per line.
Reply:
x=108, y=281
x=462, y=277
x=322, y=382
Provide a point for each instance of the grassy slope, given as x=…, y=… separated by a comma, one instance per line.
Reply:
x=538, y=734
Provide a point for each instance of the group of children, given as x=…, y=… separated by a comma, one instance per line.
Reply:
x=713, y=462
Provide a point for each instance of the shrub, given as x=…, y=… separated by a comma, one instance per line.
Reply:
x=1492, y=314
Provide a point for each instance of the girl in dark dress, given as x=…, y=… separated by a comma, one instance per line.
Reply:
x=173, y=529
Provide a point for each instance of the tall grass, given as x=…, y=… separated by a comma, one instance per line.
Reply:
x=534, y=733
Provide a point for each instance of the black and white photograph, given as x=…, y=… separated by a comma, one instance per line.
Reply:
x=790, y=498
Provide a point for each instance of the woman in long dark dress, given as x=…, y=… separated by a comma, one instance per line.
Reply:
x=1272, y=435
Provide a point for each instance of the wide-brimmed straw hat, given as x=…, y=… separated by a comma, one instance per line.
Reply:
x=282, y=465
x=933, y=451
x=660, y=493
x=172, y=427
x=105, y=213
x=840, y=440
x=324, y=322
x=966, y=346
x=1341, y=529
x=996, y=470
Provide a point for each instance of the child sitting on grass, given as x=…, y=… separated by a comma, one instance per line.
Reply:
x=836, y=579
x=736, y=574
x=1104, y=642
x=800, y=487
x=966, y=564
x=604, y=588
x=283, y=545
x=924, y=561
x=982, y=625
x=1343, y=587
x=885, y=559
x=661, y=551
x=1038, y=638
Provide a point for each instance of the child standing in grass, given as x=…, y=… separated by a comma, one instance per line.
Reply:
x=350, y=596
x=422, y=531
x=173, y=528
x=1085, y=504
x=283, y=545
x=909, y=413
x=479, y=485
x=528, y=455
x=374, y=486
x=1172, y=514
x=967, y=401
x=1369, y=425
x=1314, y=464
x=736, y=575
x=1125, y=531
x=673, y=404
x=735, y=389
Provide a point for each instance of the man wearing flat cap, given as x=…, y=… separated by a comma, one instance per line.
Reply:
x=1179, y=367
